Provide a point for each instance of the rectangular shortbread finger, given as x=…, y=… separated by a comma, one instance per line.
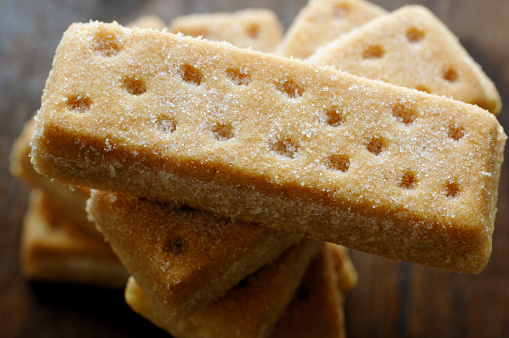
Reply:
x=322, y=21
x=295, y=146
x=411, y=48
x=250, y=309
x=259, y=29
x=53, y=248
x=182, y=257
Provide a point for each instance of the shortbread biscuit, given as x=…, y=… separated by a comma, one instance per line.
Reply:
x=295, y=146
x=322, y=21
x=347, y=275
x=316, y=310
x=412, y=48
x=250, y=309
x=148, y=21
x=53, y=248
x=258, y=29
x=72, y=202
x=183, y=257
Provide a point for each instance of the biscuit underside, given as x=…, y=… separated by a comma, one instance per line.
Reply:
x=297, y=147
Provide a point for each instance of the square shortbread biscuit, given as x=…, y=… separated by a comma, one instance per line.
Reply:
x=295, y=146
x=412, y=48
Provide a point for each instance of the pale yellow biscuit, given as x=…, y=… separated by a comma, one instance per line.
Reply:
x=72, y=202
x=250, y=309
x=316, y=309
x=182, y=257
x=322, y=21
x=53, y=248
x=258, y=29
x=412, y=48
x=295, y=146
x=148, y=21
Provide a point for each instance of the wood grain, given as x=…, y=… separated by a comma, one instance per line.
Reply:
x=393, y=299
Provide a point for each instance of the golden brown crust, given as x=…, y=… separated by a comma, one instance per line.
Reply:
x=406, y=175
x=250, y=309
x=183, y=257
x=412, y=48
x=53, y=248
x=322, y=21
x=344, y=268
x=316, y=308
x=73, y=202
x=258, y=29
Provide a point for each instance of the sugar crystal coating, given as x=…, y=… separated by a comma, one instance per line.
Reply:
x=410, y=47
x=245, y=177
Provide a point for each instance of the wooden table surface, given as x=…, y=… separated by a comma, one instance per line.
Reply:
x=393, y=299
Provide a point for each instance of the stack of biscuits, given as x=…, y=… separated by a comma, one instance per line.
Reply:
x=221, y=160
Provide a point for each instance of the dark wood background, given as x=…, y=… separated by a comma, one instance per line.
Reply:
x=393, y=299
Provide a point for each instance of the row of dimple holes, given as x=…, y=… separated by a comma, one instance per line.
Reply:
x=414, y=36
x=108, y=46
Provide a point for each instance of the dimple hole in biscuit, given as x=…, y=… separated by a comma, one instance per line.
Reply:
x=407, y=180
x=373, y=52
x=338, y=162
x=376, y=145
x=222, y=131
x=176, y=246
x=456, y=132
x=191, y=74
x=451, y=75
x=303, y=293
x=423, y=88
x=284, y=147
x=253, y=31
x=414, y=34
x=237, y=77
x=106, y=44
x=196, y=32
x=339, y=11
x=290, y=88
x=243, y=283
x=78, y=103
x=452, y=190
x=187, y=208
x=484, y=104
x=403, y=114
x=165, y=126
x=334, y=117
x=134, y=85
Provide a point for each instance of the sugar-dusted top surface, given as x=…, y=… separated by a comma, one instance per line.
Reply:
x=412, y=48
x=322, y=21
x=258, y=29
x=277, y=120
